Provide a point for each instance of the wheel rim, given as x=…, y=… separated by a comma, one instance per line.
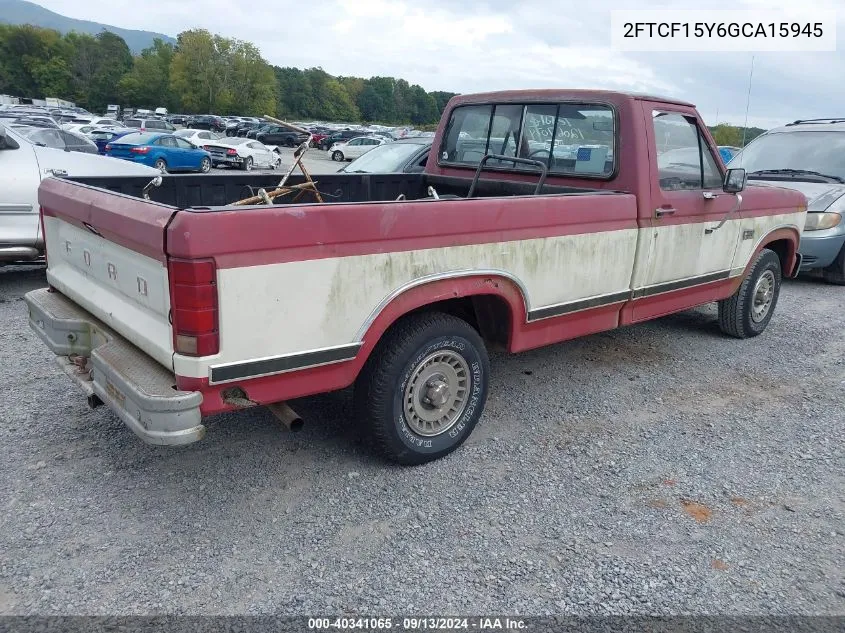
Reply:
x=437, y=393
x=249, y=164
x=764, y=293
x=206, y=165
x=161, y=165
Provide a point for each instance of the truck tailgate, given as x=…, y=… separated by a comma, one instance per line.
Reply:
x=106, y=252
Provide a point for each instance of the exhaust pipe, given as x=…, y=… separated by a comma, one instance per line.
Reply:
x=286, y=416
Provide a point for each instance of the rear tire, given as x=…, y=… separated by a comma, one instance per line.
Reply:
x=247, y=164
x=161, y=165
x=835, y=273
x=423, y=389
x=748, y=311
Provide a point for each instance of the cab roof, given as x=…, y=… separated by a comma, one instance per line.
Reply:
x=556, y=94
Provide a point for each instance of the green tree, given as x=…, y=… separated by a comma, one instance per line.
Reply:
x=196, y=71
x=148, y=83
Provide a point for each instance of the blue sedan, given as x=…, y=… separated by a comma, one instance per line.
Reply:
x=165, y=152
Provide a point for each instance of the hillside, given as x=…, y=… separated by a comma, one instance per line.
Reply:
x=23, y=12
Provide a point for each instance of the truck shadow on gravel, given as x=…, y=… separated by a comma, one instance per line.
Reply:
x=16, y=281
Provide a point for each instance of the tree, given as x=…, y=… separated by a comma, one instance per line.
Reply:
x=148, y=83
x=195, y=70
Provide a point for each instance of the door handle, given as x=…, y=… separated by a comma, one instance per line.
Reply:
x=659, y=213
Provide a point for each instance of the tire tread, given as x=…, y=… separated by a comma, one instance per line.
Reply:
x=373, y=389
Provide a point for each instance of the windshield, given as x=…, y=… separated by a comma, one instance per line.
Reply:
x=822, y=152
x=385, y=158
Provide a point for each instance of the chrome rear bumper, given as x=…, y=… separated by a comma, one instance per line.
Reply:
x=137, y=388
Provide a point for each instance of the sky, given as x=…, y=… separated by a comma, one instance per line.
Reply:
x=478, y=45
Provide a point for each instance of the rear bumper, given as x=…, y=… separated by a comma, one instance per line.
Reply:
x=135, y=387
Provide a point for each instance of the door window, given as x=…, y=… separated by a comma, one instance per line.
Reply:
x=684, y=160
x=182, y=143
x=167, y=141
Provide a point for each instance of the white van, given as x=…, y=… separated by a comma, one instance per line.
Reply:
x=161, y=111
x=22, y=166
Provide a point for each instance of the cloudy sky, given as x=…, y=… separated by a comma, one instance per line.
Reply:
x=474, y=45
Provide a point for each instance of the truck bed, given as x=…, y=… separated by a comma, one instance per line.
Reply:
x=221, y=190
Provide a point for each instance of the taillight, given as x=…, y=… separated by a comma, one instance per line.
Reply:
x=143, y=149
x=193, y=304
x=108, y=148
x=232, y=152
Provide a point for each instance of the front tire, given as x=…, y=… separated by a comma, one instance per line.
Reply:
x=748, y=311
x=205, y=165
x=423, y=389
x=337, y=156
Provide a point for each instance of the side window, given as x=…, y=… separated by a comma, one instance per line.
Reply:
x=678, y=152
x=183, y=144
x=712, y=175
x=166, y=141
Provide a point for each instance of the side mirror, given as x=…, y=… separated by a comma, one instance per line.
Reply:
x=734, y=180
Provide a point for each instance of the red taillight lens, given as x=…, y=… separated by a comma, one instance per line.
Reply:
x=108, y=148
x=232, y=152
x=193, y=302
x=143, y=149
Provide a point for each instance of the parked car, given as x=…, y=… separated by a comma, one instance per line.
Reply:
x=197, y=137
x=177, y=119
x=406, y=155
x=280, y=135
x=243, y=153
x=165, y=152
x=399, y=285
x=103, y=137
x=247, y=126
x=149, y=125
x=355, y=147
x=727, y=152
x=98, y=121
x=23, y=165
x=251, y=132
x=338, y=137
x=58, y=139
x=807, y=156
x=207, y=122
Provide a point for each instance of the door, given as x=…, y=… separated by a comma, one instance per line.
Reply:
x=189, y=155
x=172, y=154
x=19, y=199
x=680, y=256
x=354, y=148
x=260, y=154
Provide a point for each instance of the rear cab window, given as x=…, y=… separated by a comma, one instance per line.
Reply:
x=568, y=138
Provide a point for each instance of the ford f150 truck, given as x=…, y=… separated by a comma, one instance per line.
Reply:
x=541, y=216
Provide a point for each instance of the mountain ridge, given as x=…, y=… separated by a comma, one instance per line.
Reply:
x=24, y=12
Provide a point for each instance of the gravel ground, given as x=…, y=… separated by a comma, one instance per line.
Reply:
x=661, y=469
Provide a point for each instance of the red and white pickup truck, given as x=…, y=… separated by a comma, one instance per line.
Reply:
x=542, y=216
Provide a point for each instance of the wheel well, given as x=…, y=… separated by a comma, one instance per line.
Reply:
x=489, y=315
x=784, y=250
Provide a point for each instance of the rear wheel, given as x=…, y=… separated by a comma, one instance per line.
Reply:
x=423, y=389
x=748, y=311
x=337, y=156
x=247, y=164
x=161, y=165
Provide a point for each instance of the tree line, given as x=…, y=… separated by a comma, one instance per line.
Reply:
x=202, y=73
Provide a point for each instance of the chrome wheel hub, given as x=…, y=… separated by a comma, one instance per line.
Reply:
x=764, y=293
x=436, y=394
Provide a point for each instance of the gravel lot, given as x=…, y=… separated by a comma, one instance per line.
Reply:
x=657, y=469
